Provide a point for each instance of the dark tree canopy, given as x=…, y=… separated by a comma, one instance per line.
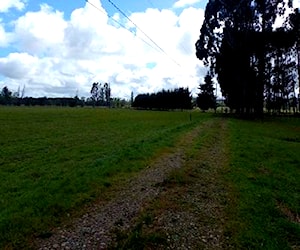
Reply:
x=250, y=57
x=164, y=100
x=206, y=98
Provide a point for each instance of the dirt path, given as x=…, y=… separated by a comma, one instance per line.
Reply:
x=176, y=203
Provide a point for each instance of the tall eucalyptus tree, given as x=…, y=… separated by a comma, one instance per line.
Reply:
x=236, y=42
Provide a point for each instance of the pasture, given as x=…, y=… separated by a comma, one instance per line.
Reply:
x=53, y=161
x=264, y=184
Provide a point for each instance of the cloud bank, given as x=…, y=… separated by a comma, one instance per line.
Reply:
x=56, y=56
x=5, y=5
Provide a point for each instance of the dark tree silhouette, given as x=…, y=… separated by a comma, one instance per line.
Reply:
x=206, y=98
x=165, y=100
x=95, y=92
x=107, y=93
x=238, y=43
x=100, y=95
x=6, y=96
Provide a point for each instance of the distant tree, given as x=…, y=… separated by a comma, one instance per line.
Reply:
x=23, y=92
x=206, y=98
x=107, y=93
x=95, y=93
x=6, y=96
x=6, y=93
x=82, y=101
x=101, y=95
x=131, y=98
x=119, y=103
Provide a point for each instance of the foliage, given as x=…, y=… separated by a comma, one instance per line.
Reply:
x=101, y=94
x=164, y=100
x=240, y=45
x=206, y=98
x=5, y=96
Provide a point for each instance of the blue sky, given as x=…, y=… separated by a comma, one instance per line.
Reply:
x=60, y=47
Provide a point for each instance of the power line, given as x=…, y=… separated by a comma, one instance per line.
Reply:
x=138, y=28
x=150, y=2
x=122, y=25
x=181, y=45
x=157, y=47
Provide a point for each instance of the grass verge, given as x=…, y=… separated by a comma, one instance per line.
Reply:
x=264, y=177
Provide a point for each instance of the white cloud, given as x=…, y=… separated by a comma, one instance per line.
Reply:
x=5, y=37
x=36, y=32
x=17, y=65
x=296, y=4
x=184, y=3
x=57, y=57
x=5, y=5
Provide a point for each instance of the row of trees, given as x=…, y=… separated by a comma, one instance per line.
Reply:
x=257, y=66
x=100, y=96
x=7, y=97
x=179, y=98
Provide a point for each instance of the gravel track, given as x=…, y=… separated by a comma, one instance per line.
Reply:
x=189, y=227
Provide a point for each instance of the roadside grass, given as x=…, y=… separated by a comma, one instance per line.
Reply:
x=54, y=160
x=264, y=184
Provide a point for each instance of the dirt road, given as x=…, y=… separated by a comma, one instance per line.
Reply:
x=177, y=202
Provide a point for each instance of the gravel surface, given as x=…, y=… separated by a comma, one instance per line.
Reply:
x=198, y=221
x=186, y=227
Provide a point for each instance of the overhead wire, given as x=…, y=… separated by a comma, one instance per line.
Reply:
x=144, y=33
x=122, y=25
x=183, y=47
x=156, y=47
x=151, y=3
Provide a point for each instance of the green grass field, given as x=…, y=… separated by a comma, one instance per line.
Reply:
x=54, y=160
x=264, y=180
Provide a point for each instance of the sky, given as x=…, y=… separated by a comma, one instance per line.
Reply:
x=59, y=48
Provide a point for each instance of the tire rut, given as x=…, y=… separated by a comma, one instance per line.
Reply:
x=97, y=227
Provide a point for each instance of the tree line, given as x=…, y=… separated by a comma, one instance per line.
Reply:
x=7, y=97
x=256, y=64
x=179, y=98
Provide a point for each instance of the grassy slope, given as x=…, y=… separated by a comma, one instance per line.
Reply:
x=54, y=159
x=265, y=184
